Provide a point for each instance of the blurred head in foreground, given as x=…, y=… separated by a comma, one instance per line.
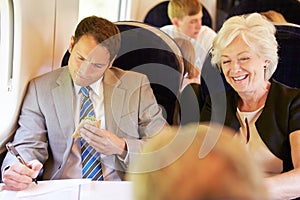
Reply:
x=193, y=163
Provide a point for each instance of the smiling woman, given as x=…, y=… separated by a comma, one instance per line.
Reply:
x=263, y=112
x=239, y=64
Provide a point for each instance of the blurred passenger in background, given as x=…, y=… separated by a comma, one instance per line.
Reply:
x=274, y=16
x=186, y=17
x=190, y=94
x=191, y=72
x=290, y=9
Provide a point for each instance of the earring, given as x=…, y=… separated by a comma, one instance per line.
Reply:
x=265, y=72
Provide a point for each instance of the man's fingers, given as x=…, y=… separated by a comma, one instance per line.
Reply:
x=14, y=181
x=17, y=170
x=16, y=187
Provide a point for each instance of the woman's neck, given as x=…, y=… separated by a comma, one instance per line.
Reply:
x=252, y=101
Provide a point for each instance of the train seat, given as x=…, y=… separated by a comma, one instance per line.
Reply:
x=158, y=16
x=288, y=69
x=150, y=51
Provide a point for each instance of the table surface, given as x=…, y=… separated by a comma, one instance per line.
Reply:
x=80, y=189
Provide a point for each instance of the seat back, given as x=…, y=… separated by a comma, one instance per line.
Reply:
x=158, y=16
x=150, y=51
x=190, y=103
x=288, y=69
x=192, y=97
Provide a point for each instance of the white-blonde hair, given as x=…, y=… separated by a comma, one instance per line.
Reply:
x=256, y=31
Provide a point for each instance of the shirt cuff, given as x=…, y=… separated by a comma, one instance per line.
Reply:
x=126, y=159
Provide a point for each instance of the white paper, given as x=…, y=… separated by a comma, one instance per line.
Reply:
x=108, y=190
x=66, y=186
x=82, y=189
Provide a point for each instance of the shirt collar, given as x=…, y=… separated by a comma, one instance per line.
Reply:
x=95, y=87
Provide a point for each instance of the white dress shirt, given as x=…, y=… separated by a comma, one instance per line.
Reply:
x=73, y=167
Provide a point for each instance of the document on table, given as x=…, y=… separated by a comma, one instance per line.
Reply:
x=77, y=189
x=52, y=186
x=54, y=189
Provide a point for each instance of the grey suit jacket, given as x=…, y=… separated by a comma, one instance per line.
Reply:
x=46, y=122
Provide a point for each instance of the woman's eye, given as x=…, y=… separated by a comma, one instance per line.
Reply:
x=244, y=59
x=225, y=62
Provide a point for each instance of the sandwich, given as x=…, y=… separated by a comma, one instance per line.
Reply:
x=91, y=120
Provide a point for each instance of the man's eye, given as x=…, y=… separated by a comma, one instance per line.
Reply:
x=194, y=21
x=98, y=65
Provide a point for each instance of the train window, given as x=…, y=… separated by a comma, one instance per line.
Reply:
x=6, y=31
x=102, y=8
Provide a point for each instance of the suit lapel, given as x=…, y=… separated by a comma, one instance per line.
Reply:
x=64, y=106
x=113, y=100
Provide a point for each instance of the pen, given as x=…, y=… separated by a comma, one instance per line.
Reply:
x=10, y=147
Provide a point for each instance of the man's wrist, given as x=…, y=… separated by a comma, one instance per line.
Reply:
x=123, y=149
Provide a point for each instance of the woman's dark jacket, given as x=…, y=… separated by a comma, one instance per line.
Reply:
x=279, y=118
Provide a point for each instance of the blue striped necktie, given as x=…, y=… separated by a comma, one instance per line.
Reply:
x=91, y=165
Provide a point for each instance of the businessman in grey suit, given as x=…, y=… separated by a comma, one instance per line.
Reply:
x=122, y=100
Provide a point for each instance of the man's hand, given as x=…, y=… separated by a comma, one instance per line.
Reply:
x=104, y=141
x=19, y=177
